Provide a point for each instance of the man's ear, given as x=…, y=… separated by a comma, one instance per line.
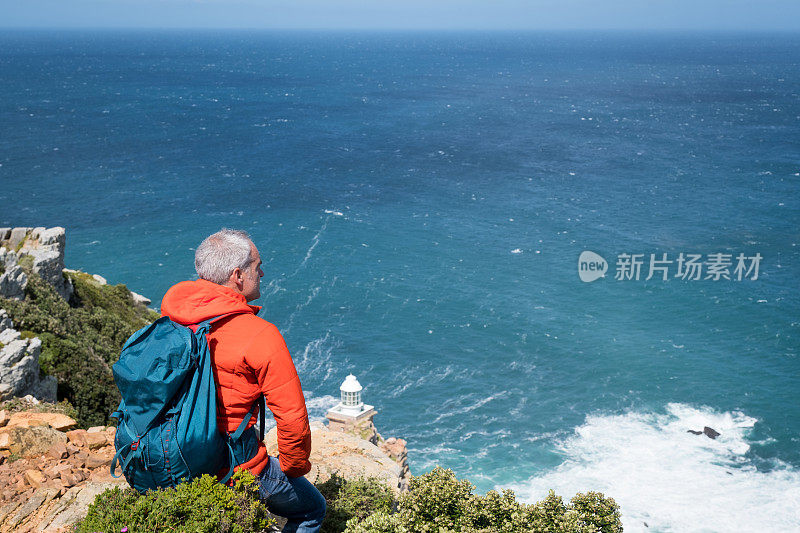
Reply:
x=237, y=276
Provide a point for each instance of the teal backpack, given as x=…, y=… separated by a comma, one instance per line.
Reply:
x=167, y=431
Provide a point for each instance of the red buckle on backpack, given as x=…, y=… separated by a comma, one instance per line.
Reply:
x=134, y=445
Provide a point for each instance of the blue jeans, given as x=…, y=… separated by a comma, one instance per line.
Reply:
x=294, y=498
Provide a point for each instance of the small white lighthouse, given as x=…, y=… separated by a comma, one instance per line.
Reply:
x=351, y=412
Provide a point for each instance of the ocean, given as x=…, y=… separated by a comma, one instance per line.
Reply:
x=421, y=202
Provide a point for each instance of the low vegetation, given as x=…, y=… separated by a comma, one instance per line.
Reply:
x=202, y=506
x=353, y=500
x=80, y=339
x=436, y=502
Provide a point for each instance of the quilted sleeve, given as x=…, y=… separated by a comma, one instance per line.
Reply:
x=269, y=357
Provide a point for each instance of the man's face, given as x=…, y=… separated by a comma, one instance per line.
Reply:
x=251, y=288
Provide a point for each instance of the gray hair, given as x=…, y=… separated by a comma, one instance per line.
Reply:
x=219, y=254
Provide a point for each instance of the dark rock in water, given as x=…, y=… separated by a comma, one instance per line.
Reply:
x=711, y=433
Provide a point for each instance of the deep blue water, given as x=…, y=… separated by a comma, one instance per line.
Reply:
x=420, y=201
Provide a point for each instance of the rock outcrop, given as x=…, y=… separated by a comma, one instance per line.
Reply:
x=19, y=365
x=39, y=250
x=45, y=247
x=396, y=450
x=350, y=457
x=711, y=433
x=49, y=475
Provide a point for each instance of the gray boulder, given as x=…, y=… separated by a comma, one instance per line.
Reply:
x=56, y=236
x=48, y=262
x=13, y=282
x=17, y=236
x=139, y=299
x=19, y=365
x=46, y=247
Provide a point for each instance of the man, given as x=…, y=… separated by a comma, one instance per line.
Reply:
x=251, y=359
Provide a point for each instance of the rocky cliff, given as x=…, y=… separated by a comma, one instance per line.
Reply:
x=19, y=365
x=44, y=248
x=61, y=323
x=51, y=470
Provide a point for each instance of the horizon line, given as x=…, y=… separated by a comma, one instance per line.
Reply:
x=406, y=29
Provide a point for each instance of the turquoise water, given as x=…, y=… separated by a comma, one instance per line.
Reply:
x=420, y=202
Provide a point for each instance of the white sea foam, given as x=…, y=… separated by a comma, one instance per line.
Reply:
x=317, y=357
x=469, y=408
x=670, y=479
x=429, y=377
x=317, y=406
x=314, y=243
x=271, y=288
x=300, y=307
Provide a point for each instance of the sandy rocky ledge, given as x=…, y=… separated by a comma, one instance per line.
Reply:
x=50, y=473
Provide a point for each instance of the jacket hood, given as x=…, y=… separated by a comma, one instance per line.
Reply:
x=191, y=302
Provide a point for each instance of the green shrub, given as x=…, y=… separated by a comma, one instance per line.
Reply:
x=357, y=499
x=201, y=506
x=493, y=512
x=598, y=511
x=435, y=501
x=438, y=502
x=26, y=261
x=80, y=339
x=551, y=515
x=380, y=522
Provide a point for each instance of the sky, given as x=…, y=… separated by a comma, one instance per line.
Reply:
x=756, y=15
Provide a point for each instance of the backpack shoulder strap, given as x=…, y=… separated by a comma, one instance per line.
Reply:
x=260, y=403
x=208, y=323
x=234, y=437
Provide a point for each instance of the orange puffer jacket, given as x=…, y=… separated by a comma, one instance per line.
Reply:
x=250, y=358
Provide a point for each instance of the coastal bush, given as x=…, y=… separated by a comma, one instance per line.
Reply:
x=439, y=502
x=200, y=506
x=380, y=522
x=354, y=499
x=436, y=502
x=598, y=511
x=80, y=339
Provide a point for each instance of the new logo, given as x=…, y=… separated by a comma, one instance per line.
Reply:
x=591, y=266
